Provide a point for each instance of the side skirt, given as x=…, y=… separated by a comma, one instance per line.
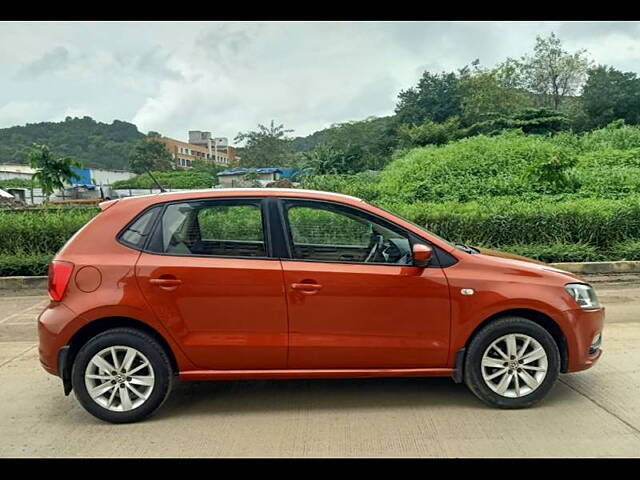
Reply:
x=315, y=373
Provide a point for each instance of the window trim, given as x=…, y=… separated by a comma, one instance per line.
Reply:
x=359, y=212
x=157, y=227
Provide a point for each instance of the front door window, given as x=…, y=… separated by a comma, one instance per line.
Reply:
x=331, y=233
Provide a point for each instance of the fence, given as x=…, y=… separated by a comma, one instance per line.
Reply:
x=34, y=196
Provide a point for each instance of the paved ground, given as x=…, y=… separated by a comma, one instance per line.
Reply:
x=593, y=413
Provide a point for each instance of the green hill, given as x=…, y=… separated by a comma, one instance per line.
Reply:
x=95, y=144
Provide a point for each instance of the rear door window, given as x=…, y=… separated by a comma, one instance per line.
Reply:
x=213, y=228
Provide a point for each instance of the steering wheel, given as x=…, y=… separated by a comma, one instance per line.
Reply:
x=378, y=241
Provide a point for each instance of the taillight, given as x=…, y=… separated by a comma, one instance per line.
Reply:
x=59, y=275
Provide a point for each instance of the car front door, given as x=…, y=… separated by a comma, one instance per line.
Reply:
x=208, y=276
x=355, y=300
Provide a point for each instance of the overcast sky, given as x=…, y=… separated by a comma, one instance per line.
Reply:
x=227, y=77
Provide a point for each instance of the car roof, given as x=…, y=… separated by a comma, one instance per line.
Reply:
x=245, y=192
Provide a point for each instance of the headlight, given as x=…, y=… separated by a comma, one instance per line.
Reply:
x=584, y=295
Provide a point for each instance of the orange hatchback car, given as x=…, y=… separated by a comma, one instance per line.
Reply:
x=282, y=283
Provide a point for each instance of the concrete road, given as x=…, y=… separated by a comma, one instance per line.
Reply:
x=592, y=413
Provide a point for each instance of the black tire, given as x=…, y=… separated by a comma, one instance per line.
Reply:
x=142, y=342
x=484, y=338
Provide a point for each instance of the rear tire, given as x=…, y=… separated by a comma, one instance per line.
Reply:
x=512, y=363
x=121, y=375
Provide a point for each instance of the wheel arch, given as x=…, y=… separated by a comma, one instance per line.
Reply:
x=100, y=325
x=542, y=319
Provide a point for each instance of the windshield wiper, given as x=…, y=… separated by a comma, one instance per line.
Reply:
x=466, y=248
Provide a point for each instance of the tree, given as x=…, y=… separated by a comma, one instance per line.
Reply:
x=150, y=154
x=436, y=98
x=368, y=143
x=51, y=172
x=610, y=94
x=483, y=94
x=551, y=73
x=265, y=147
x=530, y=120
x=429, y=133
x=211, y=169
x=99, y=145
x=330, y=159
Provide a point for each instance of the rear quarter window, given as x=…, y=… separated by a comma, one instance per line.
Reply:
x=136, y=233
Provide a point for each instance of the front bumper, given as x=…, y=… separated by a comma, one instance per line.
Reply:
x=583, y=328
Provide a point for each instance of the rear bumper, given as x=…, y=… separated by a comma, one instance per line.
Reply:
x=585, y=325
x=53, y=335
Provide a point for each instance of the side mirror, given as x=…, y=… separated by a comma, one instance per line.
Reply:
x=421, y=255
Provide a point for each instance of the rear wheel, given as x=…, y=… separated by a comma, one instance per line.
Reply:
x=512, y=363
x=121, y=375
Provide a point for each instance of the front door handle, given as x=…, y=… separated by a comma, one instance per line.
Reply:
x=306, y=288
x=165, y=282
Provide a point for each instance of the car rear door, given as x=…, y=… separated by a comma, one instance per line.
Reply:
x=209, y=276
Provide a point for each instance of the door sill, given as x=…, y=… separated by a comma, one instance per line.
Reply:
x=314, y=373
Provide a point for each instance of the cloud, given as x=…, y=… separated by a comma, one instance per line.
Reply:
x=154, y=62
x=229, y=76
x=20, y=112
x=51, y=62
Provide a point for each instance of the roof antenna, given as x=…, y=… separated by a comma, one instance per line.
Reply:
x=162, y=190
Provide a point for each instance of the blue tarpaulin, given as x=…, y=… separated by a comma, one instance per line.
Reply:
x=85, y=177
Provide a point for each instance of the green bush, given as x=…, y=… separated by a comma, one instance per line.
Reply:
x=603, y=163
x=468, y=169
x=363, y=185
x=616, y=136
x=609, y=228
x=173, y=179
x=557, y=252
x=29, y=265
x=40, y=231
x=17, y=183
x=626, y=250
x=509, y=221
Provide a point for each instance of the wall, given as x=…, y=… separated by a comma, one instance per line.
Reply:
x=107, y=177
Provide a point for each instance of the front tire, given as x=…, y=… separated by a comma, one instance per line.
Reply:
x=121, y=375
x=512, y=363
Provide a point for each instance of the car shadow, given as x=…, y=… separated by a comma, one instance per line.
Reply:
x=237, y=397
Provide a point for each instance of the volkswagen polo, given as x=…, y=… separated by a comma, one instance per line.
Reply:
x=283, y=283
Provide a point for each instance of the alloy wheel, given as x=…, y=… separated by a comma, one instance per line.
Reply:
x=119, y=378
x=514, y=365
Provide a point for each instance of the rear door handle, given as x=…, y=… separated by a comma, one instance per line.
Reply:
x=165, y=282
x=306, y=288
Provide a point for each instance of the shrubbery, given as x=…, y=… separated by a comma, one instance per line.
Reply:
x=575, y=230
x=40, y=231
x=18, y=183
x=173, y=179
x=15, y=265
x=29, y=239
x=604, y=163
x=600, y=224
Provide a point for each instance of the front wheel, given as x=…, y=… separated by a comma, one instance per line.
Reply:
x=121, y=375
x=512, y=363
